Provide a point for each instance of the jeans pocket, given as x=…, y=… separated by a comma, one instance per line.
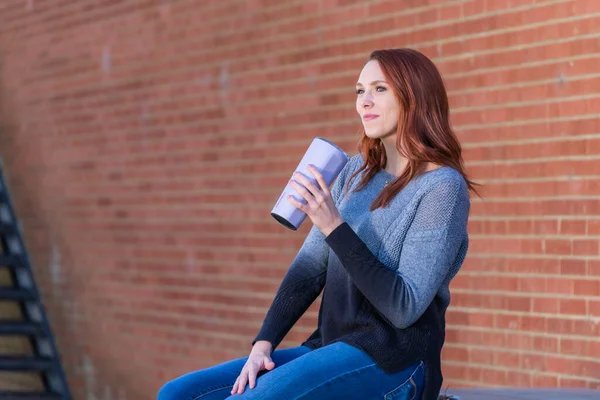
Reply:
x=409, y=389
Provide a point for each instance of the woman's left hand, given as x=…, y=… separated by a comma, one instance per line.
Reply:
x=321, y=208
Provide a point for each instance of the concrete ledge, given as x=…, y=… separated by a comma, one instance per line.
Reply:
x=520, y=394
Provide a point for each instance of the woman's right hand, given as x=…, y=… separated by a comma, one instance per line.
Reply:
x=259, y=359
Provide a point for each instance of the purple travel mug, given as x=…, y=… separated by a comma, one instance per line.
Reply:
x=329, y=159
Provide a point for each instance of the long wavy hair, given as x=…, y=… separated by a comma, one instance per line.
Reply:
x=424, y=132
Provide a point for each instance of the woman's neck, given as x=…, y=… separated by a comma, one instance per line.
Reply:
x=396, y=163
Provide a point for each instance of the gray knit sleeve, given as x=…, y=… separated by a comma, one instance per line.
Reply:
x=434, y=239
x=429, y=255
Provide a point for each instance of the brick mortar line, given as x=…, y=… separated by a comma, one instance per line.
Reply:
x=563, y=178
x=200, y=334
x=191, y=221
x=190, y=302
x=461, y=383
x=515, y=199
x=215, y=334
x=189, y=317
x=164, y=289
x=227, y=249
x=198, y=235
x=212, y=277
x=520, y=142
x=232, y=134
x=569, y=356
x=341, y=58
x=526, y=333
x=497, y=274
x=533, y=256
x=468, y=127
x=301, y=144
x=536, y=218
x=285, y=251
x=533, y=295
x=214, y=305
x=168, y=202
x=544, y=101
x=522, y=84
x=202, y=264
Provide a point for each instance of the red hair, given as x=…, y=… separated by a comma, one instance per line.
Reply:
x=424, y=132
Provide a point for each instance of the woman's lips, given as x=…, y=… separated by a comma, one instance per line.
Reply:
x=370, y=117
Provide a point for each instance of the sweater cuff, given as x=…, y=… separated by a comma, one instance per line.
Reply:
x=268, y=335
x=343, y=238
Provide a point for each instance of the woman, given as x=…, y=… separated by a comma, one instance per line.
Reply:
x=387, y=239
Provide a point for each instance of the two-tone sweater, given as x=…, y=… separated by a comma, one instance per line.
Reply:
x=385, y=272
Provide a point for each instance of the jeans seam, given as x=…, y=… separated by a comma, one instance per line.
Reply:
x=211, y=391
x=411, y=380
x=414, y=385
x=335, y=377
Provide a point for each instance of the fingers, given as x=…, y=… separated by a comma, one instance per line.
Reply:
x=235, y=385
x=309, y=185
x=249, y=375
x=243, y=381
x=252, y=377
x=302, y=192
x=269, y=364
x=320, y=179
x=240, y=382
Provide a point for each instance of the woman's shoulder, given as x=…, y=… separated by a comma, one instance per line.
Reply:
x=353, y=164
x=356, y=161
x=443, y=180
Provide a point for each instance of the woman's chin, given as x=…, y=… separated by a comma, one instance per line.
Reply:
x=373, y=134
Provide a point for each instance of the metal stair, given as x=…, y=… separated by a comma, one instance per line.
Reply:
x=33, y=325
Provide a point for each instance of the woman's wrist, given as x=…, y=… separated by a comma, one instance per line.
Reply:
x=264, y=346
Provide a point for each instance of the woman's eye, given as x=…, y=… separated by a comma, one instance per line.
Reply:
x=359, y=91
x=380, y=87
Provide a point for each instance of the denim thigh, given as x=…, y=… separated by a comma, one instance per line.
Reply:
x=215, y=383
x=336, y=372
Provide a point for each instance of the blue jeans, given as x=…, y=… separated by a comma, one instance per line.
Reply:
x=334, y=372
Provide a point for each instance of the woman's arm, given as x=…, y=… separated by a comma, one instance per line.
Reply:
x=435, y=236
x=303, y=281
x=301, y=285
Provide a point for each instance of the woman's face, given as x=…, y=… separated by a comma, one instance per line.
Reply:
x=376, y=104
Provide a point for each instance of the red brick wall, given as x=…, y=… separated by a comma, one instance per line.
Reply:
x=146, y=142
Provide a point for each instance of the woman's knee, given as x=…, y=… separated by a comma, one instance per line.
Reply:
x=168, y=392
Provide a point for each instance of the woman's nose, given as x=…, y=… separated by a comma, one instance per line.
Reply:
x=367, y=101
